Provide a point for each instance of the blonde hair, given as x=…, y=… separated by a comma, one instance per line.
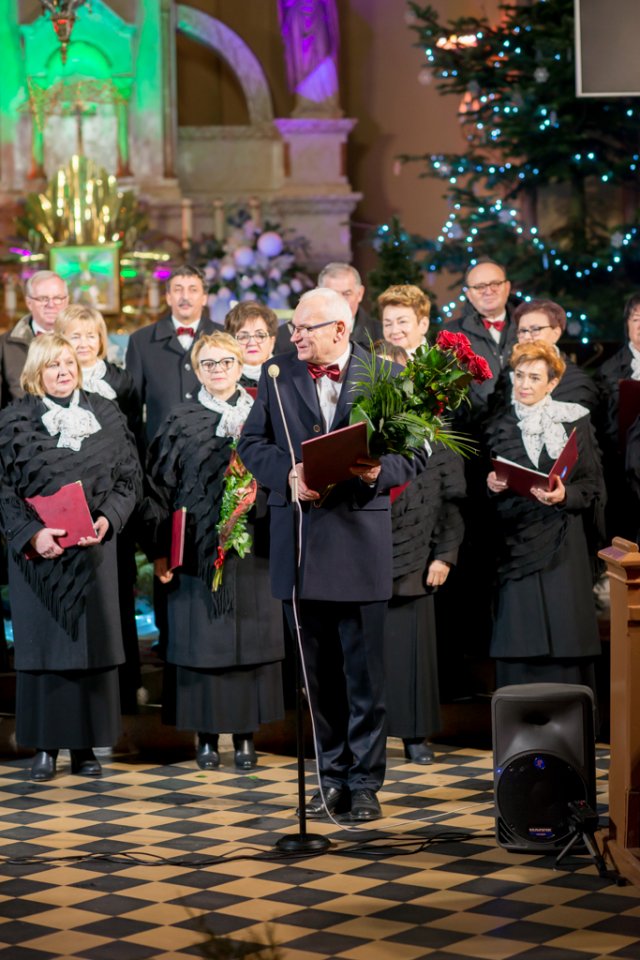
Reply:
x=86, y=314
x=224, y=341
x=405, y=295
x=538, y=350
x=43, y=350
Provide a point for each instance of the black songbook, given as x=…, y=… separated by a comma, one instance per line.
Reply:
x=327, y=459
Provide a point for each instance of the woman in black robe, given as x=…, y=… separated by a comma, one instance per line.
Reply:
x=86, y=330
x=623, y=505
x=226, y=643
x=64, y=602
x=427, y=532
x=545, y=626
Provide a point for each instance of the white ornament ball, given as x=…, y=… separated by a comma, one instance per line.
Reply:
x=541, y=74
x=244, y=257
x=616, y=239
x=425, y=77
x=227, y=272
x=270, y=244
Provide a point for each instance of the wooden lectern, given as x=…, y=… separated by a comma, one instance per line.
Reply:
x=623, y=840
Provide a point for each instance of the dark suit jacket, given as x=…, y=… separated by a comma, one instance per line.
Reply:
x=346, y=542
x=161, y=369
x=496, y=354
x=364, y=327
x=14, y=346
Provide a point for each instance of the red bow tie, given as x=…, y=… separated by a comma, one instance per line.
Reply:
x=185, y=332
x=493, y=324
x=317, y=370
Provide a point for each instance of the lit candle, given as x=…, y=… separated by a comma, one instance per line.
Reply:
x=10, y=295
x=154, y=294
x=218, y=220
x=254, y=210
x=187, y=221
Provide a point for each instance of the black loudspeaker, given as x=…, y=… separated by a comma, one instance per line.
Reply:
x=544, y=758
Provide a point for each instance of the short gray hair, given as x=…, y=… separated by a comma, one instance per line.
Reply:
x=336, y=306
x=39, y=277
x=333, y=269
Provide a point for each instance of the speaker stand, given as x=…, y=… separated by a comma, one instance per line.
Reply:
x=584, y=823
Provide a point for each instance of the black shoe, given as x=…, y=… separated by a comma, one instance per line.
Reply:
x=85, y=764
x=245, y=757
x=365, y=805
x=335, y=801
x=44, y=765
x=418, y=752
x=207, y=756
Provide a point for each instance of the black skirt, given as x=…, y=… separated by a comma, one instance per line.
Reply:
x=75, y=709
x=230, y=700
x=411, y=668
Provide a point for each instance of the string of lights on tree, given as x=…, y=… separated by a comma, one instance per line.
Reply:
x=533, y=147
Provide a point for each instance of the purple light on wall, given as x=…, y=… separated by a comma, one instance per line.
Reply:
x=162, y=273
x=20, y=251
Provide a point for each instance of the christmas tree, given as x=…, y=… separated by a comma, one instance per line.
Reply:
x=547, y=182
x=397, y=259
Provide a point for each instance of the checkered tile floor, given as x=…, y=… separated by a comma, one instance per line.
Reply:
x=150, y=860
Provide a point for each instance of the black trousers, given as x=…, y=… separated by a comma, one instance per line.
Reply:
x=343, y=653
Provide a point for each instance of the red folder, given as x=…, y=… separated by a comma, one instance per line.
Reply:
x=66, y=509
x=326, y=459
x=178, y=530
x=522, y=479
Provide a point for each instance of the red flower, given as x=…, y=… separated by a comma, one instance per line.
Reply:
x=464, y=353
x=452, y=341
x=479, y=369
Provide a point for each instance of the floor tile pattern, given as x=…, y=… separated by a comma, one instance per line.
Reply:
x=151, y=861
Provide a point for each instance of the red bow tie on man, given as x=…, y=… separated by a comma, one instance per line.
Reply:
x=185, y=332
x=317, y=370
x=493, y=324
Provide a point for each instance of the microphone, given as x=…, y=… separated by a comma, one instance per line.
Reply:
x=274, y=372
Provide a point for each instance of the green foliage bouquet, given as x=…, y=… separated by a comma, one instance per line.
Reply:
x=403, y=410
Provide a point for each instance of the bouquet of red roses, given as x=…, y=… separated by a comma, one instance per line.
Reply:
x=403, y=410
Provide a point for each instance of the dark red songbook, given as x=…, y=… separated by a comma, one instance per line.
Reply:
x=66, y=509
x=522, y=479
x=178, y=530
x=628, y=408
x=327, y=459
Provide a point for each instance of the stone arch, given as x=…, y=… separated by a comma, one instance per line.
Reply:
x=205, y=29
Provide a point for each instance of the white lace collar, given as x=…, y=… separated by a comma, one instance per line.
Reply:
x=73, y=423
x=233, y=416
x=635, y=362
x=542, y=425
x=252, y=371
x=93, y=381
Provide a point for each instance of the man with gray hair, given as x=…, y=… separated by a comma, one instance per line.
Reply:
x=46, y=294
x=345, y=280
x=344, y=578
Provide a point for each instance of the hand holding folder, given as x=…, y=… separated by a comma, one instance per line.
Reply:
x=523, y=480
x=65, y=510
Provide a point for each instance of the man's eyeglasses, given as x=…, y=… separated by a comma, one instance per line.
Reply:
x=304, y=330
x=531, y=331
x=493, y=285
x=210, y=365
x=45, y=301
x=260, y=337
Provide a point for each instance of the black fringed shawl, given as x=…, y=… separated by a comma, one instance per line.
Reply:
x=32, y=464
x=425, y=518
x=185, y=468
x=530, y=533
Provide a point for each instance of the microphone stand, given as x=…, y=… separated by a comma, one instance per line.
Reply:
x=302, y=842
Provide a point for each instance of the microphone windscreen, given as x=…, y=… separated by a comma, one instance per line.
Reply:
x=273, y=370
